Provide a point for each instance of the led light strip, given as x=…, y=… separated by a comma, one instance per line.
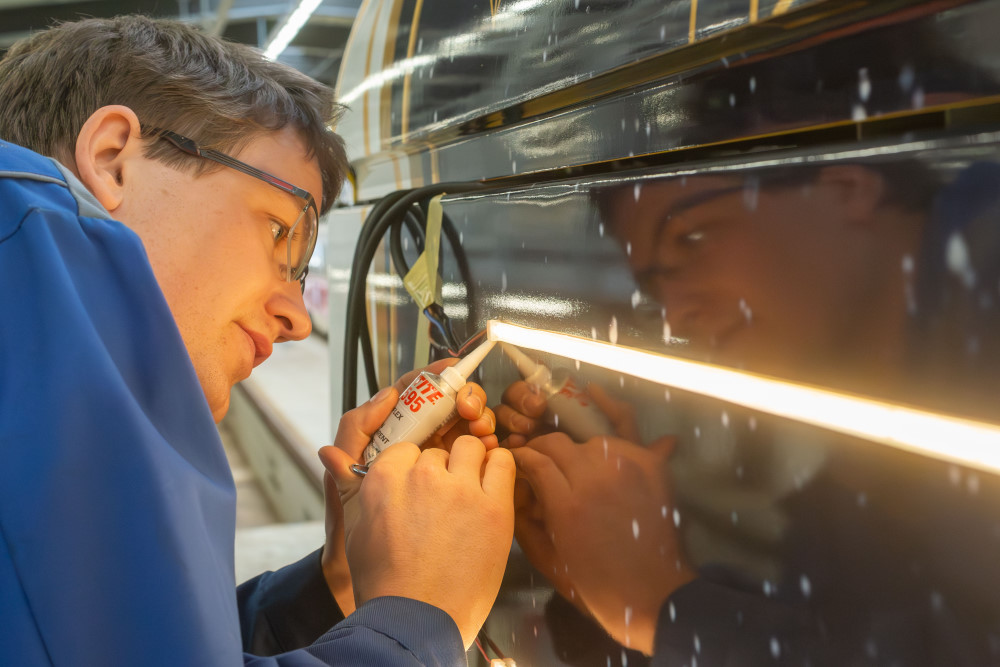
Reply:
x=947, y=438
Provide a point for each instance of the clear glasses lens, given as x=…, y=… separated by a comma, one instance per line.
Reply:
x=297, y=247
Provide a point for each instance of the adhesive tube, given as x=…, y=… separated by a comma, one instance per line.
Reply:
x=426, y=405
x=570, y=409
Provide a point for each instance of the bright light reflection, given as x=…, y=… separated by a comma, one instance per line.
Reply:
x=287, y=33
x=957, y=440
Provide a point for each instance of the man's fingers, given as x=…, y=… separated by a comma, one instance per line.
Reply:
x=498, y=477
x=559, y=447
x=525, y=398
x=338, y=465
x=513, y=421
x=358, y=425
x=467, y=454
x=400, y=456
x=545, y=477
x=471, y=401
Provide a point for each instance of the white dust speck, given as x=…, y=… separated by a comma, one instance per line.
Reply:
x=805, y=585
x=907, y=77
x=635, y=528
x=677, y=518
x=864, y=84
x=775, y=648
x=959, y=261
x=613, y=331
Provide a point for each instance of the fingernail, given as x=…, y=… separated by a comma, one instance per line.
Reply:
x=379, y=397
x=474, y=400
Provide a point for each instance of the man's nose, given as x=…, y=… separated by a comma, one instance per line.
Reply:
x=287, y=306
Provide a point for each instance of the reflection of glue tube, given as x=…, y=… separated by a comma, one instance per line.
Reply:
x=426, y=405
x=570, y=409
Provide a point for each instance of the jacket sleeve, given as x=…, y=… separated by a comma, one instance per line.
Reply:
x=287, y=609
x=383, y=631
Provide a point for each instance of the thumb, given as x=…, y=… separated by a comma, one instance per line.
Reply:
x=358, y=425
x=338, y=464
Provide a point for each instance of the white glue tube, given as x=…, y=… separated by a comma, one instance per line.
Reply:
x=426, y=405
x=571, y=409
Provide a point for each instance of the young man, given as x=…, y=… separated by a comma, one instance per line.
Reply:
x=159, y=196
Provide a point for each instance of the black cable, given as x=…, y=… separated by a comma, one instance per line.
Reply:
x=388, y=211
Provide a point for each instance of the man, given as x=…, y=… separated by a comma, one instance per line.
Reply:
x=147, y=265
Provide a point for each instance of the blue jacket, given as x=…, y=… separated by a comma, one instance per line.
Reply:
x=117, y=506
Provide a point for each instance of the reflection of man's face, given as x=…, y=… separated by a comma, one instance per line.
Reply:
x=759, y=278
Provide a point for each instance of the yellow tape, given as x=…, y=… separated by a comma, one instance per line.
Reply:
x=422, y=281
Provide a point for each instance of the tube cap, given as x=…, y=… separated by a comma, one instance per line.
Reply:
x=457, y=375
x=532, y=371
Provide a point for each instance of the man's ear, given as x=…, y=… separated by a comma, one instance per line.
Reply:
x=107, y=141
x=861, y=189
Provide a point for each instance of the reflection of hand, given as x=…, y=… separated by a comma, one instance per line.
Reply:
x=604, y=521
x=353, y=434
x=436, y=527
x=519, y=416
x=520, y=413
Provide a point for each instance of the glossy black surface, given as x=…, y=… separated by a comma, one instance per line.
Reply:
x=871, y=271
x=828, y=73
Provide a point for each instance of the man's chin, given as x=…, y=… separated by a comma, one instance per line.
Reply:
x=219, y=411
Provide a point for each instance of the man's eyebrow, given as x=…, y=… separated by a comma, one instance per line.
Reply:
x=699, y=198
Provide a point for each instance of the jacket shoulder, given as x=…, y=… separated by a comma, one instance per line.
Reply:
x=29, y=181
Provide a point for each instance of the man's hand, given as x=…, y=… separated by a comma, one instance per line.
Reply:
x=353, y=435
x=520, y=413
x=603, y=528
x=435, y=526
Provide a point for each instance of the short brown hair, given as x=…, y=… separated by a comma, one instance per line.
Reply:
x=173, y=76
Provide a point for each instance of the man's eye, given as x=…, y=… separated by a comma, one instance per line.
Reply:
x=278, y=230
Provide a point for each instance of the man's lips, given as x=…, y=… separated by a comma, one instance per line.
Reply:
x=261, y=346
